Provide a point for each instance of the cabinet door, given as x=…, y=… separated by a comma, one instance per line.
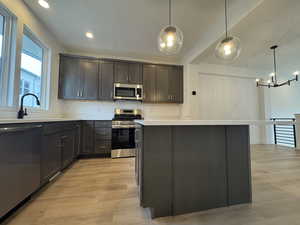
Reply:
x=238, y=165
x=51, y=156
x=67, y=140
x=162, y=83
x=88, y=137
x=103, y=140
x=176, y=85
x=69, y=78
x=149, y=83
x=106, y=80
x=121, y=72
x=135, y=73
x=205, y=187
x=89, y=71
x=77, y=144
x=19, y=165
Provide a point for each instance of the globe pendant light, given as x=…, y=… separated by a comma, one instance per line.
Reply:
x=170, y=38
x=229, y=48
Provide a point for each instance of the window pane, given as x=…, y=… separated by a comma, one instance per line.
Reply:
x=1, y=41
x=31, y=70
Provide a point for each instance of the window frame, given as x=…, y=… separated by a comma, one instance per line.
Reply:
x=45, y=73
x=8, y=57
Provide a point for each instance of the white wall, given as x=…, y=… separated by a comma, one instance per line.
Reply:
x=223, y=93
x=284, y=101
x=26, y=17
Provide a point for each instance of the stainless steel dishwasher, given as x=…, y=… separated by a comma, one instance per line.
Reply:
x=20, y=147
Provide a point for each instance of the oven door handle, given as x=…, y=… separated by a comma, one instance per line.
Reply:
x=123, y=126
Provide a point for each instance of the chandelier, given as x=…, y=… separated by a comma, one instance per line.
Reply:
x=273, y=81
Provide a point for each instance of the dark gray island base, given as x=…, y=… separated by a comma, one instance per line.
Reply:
x=183, y=169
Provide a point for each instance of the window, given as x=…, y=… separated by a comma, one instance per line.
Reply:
x=33, y=77
x=7, y=55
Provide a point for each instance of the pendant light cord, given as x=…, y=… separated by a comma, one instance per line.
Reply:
x=226, y=18
x=170, y=12
x=275, y=65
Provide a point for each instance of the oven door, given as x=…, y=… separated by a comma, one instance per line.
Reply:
x=123, y=138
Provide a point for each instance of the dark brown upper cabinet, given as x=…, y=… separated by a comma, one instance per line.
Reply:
x=87, y=78
x=175, y=87
x=90, y=75
x=106, y=80
x=163, y=84
x=78, y=78
x=121, y=72
x=149, y=83
x=69, y=78
x=128, y=73
x=135, y=73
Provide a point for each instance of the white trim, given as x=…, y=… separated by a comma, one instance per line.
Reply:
x=8, y=56
x=46, y=76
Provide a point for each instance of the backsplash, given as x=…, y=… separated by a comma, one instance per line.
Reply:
x=91, y=110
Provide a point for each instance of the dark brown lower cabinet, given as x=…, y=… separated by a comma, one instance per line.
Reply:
x=200, y=180
x=60, y=143
x=78, y=141
x=19, y=164
x=67, y=147
x=96, y=138
x=103, y=140
x=50, y=156
x=88, y=139
x=30, y=155
x=183, y=169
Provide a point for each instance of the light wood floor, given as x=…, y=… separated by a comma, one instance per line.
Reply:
x=103, y=192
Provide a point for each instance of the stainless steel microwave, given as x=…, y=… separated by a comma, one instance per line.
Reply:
x=128, y=92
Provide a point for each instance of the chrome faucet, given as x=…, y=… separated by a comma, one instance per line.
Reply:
x=23, y=112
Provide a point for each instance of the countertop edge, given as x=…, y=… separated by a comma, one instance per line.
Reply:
x=210, y=122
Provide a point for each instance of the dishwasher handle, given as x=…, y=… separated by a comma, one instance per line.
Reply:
x=8, y=130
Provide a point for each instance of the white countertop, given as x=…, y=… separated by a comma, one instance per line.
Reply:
x=36, y=120
x=209, y=122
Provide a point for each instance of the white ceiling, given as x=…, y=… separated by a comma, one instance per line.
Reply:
x=129, y=28
x=272, y=22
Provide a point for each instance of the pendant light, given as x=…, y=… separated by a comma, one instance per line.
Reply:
x=170, y=38
x=44, y=4
x=273, y=81
x=229, y=48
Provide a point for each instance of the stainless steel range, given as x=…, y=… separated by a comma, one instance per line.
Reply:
x=123, y=132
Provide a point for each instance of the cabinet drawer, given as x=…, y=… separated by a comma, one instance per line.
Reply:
x=57, y=127
x=103, y=123
x=103, y=142
x=102, y=132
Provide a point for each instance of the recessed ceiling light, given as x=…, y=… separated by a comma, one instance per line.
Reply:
x=44, y=4
x=89, y=35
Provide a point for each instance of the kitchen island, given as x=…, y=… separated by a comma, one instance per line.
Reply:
x=185, y=166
